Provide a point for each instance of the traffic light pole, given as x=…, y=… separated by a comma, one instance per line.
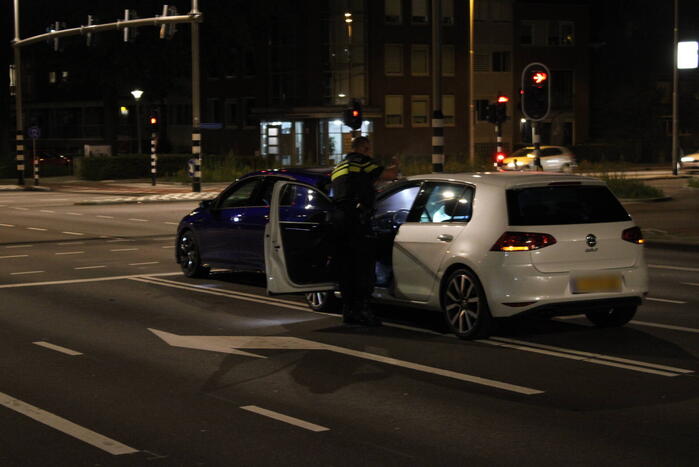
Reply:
x=498, y=138
x=19, y=136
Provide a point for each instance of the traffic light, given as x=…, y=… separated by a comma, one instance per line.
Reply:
x=352, y=116
x=130, y=33
x=536, y=91
x=153, y=121
x=168, y=30
x=501, y=109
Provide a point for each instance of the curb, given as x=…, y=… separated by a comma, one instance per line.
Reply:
x=23, y=188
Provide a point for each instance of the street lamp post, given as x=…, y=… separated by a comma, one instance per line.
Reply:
x=137, y=93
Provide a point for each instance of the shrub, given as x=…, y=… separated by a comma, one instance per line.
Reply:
x=631, y=188
x=693, y=182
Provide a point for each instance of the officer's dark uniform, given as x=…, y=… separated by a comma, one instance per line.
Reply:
x=353, y=194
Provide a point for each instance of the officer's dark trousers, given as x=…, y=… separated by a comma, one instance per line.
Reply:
x=355, y=261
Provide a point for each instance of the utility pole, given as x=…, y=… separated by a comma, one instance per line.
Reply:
x=19, y=136
x=675, y=85
x=437, y=116
x=196, y=101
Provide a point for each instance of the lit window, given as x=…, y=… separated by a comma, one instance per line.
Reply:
x=419, y=111
x=52, y=77
x=393, y=60
x=393, y=12
x=394, y=111
x=419, y=60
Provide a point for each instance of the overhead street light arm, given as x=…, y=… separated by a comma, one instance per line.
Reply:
x=193, y=17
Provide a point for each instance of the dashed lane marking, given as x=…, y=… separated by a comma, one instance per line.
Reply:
x=91, y=267
x=25, y=272
x=6, y=225
x=73, y=233
x=123, y=249
x=665, y=300
x=74, y=214
x=139, y=220
x=285, y=418
x=47, y=211
x=143, y=264
x=13, y=256
x=57, y=348
x=676, y=268
x=20, y=246
x=19, y=209
x=40, y=229
x=106, y=217
x=70, y=253
x=695, y=284
x=66, y=426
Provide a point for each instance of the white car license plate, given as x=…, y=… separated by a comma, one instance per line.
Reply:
x=592, y=284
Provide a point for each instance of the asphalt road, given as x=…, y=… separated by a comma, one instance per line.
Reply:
x=109, y=356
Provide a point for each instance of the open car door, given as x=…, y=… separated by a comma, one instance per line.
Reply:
x=299, y=240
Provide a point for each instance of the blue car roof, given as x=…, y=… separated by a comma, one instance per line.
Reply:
x=316, y=176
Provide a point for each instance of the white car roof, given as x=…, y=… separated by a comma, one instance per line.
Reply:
x=508, y=179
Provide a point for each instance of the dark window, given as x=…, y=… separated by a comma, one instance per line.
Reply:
x=501, y=61
x=562, y=89
x=555, y=205
x=240, y=195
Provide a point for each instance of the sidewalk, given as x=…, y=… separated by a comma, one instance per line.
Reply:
x=670, y=222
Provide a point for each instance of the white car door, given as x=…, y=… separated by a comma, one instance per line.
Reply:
x=422, y=243
x=298, y=240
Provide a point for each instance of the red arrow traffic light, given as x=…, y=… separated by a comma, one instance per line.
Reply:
x=539, y=77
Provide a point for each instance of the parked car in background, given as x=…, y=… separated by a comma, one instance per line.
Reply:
x=475, y=247
x=54, y=160
x=553, y=159
x=690, y=161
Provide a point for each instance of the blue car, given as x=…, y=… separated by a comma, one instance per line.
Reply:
x=228, y=231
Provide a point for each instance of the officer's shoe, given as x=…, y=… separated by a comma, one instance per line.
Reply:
x=349, y=316
x=368, y=317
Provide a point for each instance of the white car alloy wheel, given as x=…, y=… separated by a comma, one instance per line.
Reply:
x=465, y=306
x=325, y=302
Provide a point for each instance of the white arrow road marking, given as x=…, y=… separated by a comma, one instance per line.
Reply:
x=589, y=357
x=230, y=344
x=284, y=418
x=66, y=426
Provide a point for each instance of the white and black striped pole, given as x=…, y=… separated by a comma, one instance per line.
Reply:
x=536, y=139
x=499, y=150
x=35, y=162
x=437, y=116
x=153, y=157
x=196, y=157
x=196, y=102
x=20, y=157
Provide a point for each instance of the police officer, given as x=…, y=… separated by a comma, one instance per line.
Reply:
x=353, y=182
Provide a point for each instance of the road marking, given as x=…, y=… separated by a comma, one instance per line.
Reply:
x=20, y=246
x=70, y=253
x=695, y=284
x=71, y=243
x=225, y=293
x=106, y=217
x=665, y=326
x=232, y=344
x=589, y=357
x=73, y=233
x=13, y=256
x=90, y=267
x=47, y=210
x=40, y=229
x=57, y=348
x=142, y=264
x=168, y=246
x=66, y=426
x=25, y=272
x=20, y=209
x=139, y=220
x=284, y=418
x=74, y=213
x=92, y=279
x=123, y=249
x=676, y=268
x=665, y=300
x=6, y=225
x=170, y=223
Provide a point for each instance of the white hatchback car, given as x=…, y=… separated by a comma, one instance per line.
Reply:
x=476, y=247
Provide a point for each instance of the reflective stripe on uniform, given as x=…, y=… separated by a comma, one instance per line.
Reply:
x=346, y=167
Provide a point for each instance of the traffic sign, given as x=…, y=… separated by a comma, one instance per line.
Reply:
x=34, y=132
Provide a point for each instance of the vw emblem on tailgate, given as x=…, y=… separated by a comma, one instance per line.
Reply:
x=591, y=240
